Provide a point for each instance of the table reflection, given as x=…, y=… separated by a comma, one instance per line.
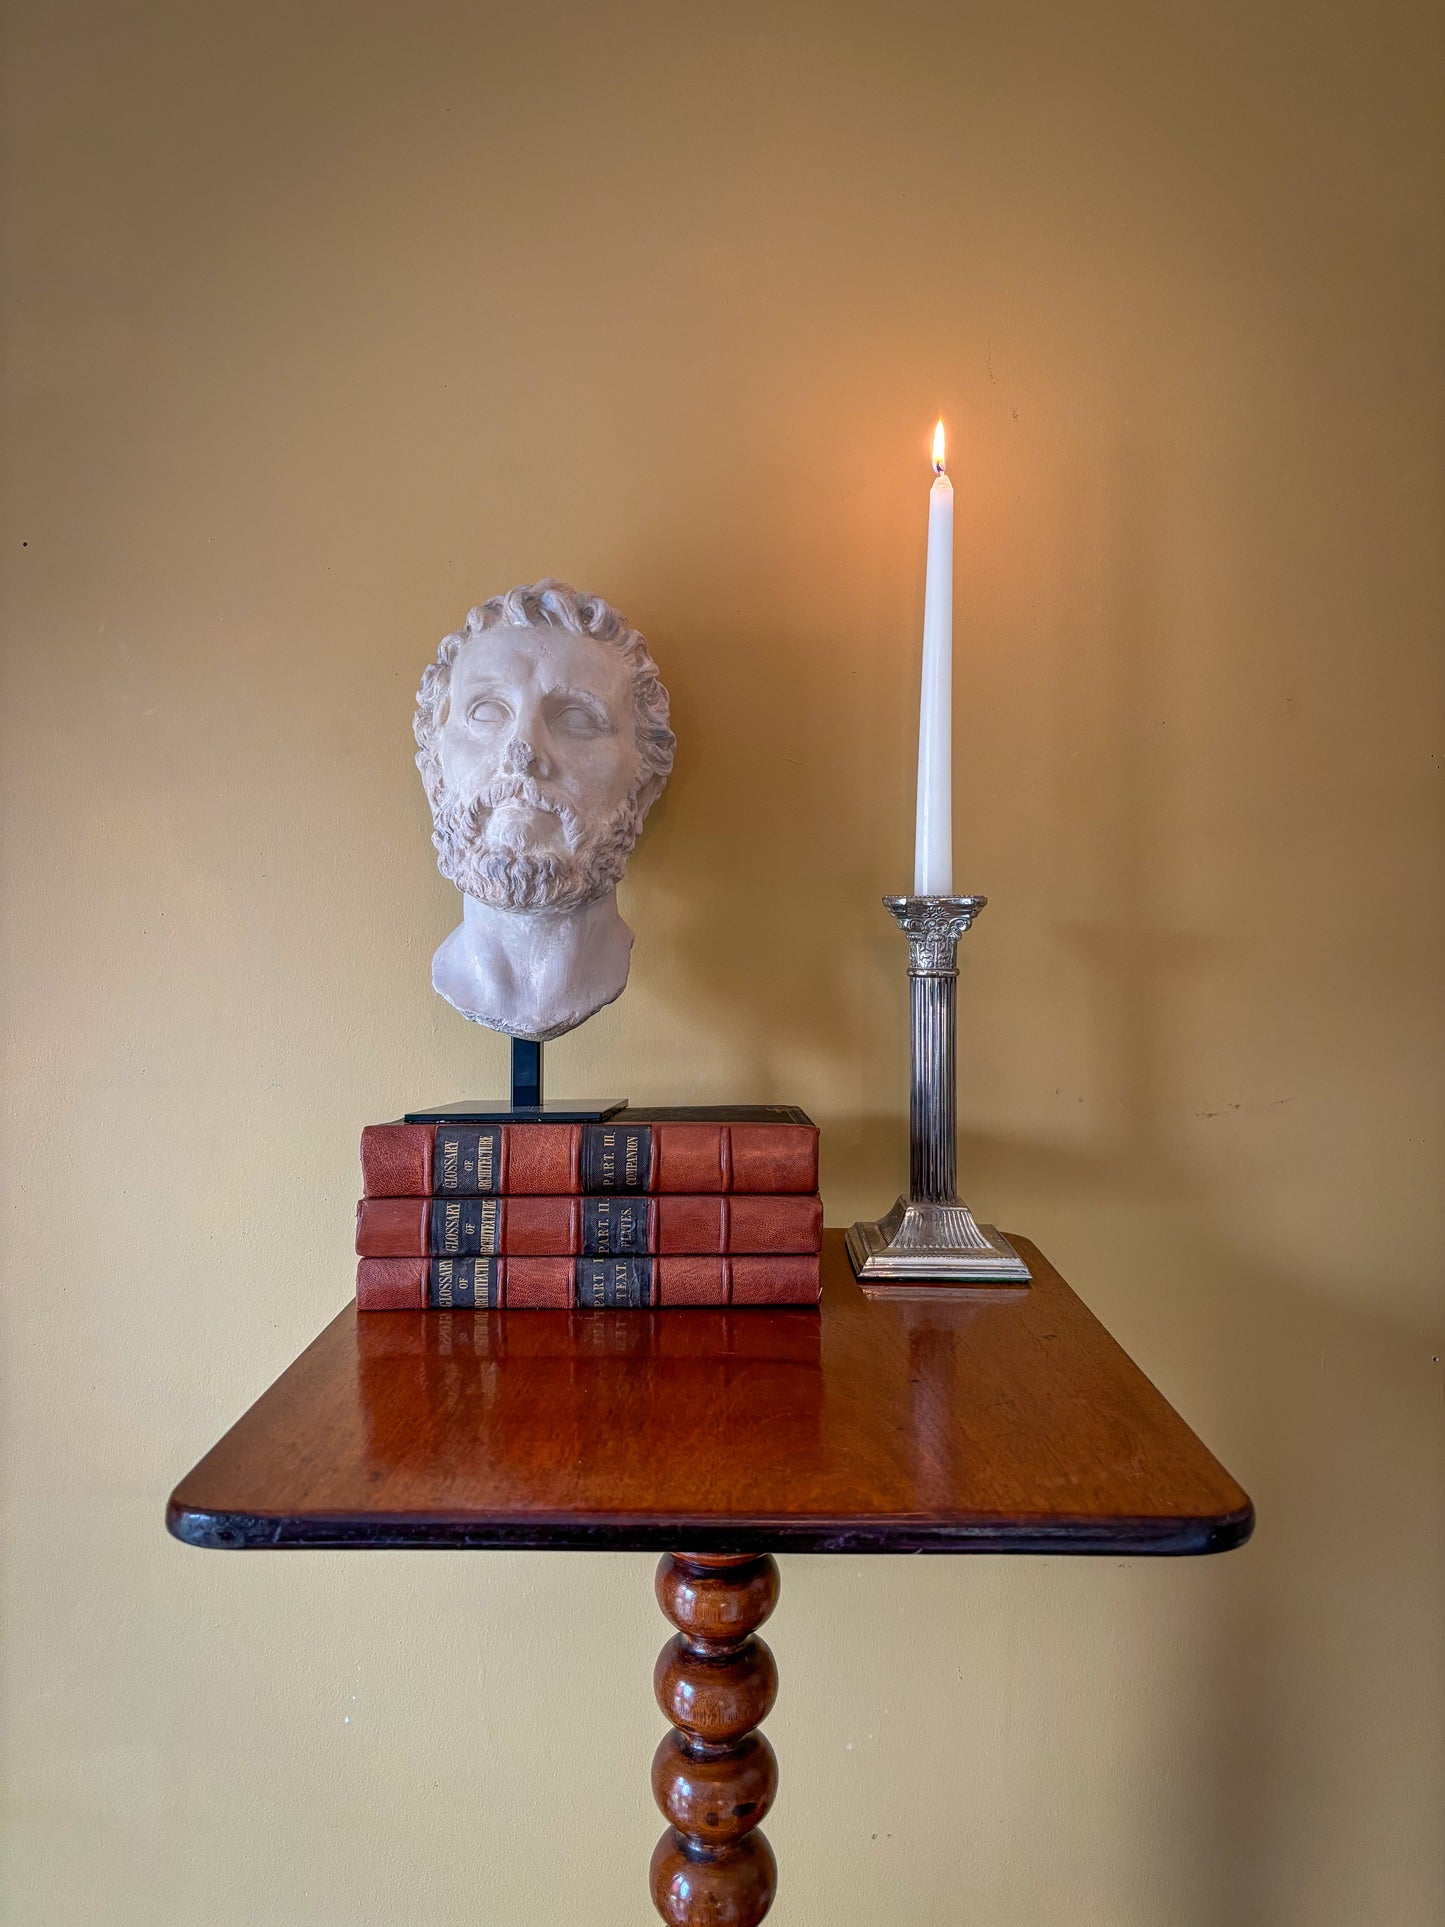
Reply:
x=604, y=1393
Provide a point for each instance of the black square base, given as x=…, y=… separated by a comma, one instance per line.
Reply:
x=556, y=1110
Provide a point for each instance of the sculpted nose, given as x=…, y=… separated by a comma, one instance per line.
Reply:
x=522, y=759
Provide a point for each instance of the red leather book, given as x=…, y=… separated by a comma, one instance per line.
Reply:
x=607, y=1227
x=562, y=1284
x=691, y=1152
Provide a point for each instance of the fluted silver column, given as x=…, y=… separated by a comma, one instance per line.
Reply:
x=930, y=1235
x=932, y=1112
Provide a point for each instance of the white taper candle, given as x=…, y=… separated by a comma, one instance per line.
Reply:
x=933, y=843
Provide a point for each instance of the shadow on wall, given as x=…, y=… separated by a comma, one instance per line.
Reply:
x=764, y=921
x=784, y=974
x=1319, y=1445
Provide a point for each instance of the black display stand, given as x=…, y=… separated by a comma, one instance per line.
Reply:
x=528, y=1106
x=526, y=1074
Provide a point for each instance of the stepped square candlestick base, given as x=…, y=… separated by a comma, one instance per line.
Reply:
x=931, y=1237
x=933, y=1242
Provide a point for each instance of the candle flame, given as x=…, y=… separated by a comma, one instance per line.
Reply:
x=938, y=448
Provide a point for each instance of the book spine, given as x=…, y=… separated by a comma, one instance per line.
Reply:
x=552, y=1160
x=593, y=1227
x=588, y=1284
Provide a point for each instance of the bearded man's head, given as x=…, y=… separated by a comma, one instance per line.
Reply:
x=544, y=741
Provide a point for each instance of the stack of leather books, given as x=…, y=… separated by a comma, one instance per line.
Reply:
x=648, y=1209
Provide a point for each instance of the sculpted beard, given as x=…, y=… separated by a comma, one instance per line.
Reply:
x=511, y=879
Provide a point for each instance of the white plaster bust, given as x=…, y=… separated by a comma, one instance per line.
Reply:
x=544, y=739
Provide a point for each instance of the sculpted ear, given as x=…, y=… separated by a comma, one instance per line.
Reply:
x=649, y=792
x=444, y=710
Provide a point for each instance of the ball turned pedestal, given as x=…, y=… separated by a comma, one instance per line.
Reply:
x=713, y=1776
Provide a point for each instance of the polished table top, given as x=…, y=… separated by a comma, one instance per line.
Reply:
x=1009, y=1421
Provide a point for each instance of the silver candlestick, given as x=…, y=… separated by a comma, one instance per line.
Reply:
x=931, y=1234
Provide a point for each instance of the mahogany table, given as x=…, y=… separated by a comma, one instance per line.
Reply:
x=1008, y=1421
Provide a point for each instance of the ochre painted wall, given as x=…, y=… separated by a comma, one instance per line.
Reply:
x=322, y=321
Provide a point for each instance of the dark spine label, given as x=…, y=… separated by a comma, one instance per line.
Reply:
x=617, y=1157
x=459, y=1284
x=614, y=1283
x=466, y=1160
x=613, y=1227
x=464, y=1227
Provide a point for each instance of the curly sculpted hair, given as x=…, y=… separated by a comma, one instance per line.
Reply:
x=543, y=605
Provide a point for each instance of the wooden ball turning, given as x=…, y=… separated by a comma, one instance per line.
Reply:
x=730, y=1889
x=714, y=1797
x=717, y=1606
x=716, y=1700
